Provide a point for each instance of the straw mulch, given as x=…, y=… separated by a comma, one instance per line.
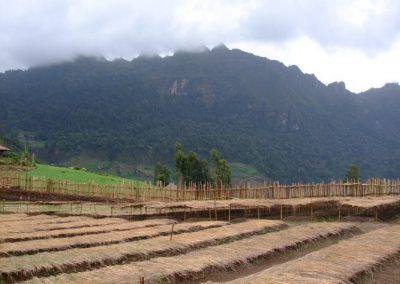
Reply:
x=360, y=202
x=18, y=237
x=340, y=263
x=87, y=222
x=114, y=237
x=27, y=223
x=6, y=222
x=198, y=264
x=370, y=202
x=12, y=217
x=23, y=267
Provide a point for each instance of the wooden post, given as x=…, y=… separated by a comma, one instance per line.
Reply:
x=184, y=214
x=281, y=212
x=340, y=212
x=209, y=213
x=172, y=232
x=312, y=214
x=258, y=212
x=376, y=214
x=229, y=213
x=216, y=216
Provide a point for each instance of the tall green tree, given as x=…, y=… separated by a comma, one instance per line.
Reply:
x=352, y=174
x=161, y=174
x=190, y=168
x=221, y=173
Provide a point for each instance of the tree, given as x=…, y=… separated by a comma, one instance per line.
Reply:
x=352, y=174
x=221, y=173
x=161, y=174
x=190, y=168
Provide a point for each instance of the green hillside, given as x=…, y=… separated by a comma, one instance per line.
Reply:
x=257, y=112
x=74, y=175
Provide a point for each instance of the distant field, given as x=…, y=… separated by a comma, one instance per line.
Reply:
x=242, y=172
x=60, y=173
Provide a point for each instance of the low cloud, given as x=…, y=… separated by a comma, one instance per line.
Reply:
x=46, y=31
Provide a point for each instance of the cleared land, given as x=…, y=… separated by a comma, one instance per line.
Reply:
x=340, y=263
x=23, y=267
x=196, y=265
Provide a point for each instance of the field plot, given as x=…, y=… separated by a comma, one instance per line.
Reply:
x=80, y=231
x=24, y=227
x=197, y=264
x=22, y=267
x=159, y=250
x=340, y=263
x=136, y=233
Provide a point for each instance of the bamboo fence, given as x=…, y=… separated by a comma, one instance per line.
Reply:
x=148, y=192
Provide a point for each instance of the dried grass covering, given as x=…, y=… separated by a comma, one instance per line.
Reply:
x=360, y=202
x=114, y=237
x=11, y=221
x=18, y=237
x=31, y=224
x=196, y=265
x=85, y=222
x=370, y=202
x=24, y=267
x=339, y=263
x=13, y=217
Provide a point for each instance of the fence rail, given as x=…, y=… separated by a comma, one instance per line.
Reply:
x=372, y=187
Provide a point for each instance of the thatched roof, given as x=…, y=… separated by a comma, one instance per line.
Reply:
x=3, y=149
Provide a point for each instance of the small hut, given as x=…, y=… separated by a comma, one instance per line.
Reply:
x=3, y=149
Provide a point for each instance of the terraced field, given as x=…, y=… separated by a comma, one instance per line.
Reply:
x=52, y=249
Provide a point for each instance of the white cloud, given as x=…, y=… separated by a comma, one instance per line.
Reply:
x=356, y=41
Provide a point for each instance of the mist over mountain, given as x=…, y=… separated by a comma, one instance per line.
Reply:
x=255, y=111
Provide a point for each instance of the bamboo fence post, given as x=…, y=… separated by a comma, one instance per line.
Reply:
x=172, y=232
x=312, y=214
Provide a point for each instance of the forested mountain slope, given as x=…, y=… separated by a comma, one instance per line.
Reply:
x=286, y=124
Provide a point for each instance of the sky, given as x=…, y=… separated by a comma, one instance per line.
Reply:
x=355, y=41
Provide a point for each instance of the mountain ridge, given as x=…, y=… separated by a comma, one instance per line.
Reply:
x=287, y=124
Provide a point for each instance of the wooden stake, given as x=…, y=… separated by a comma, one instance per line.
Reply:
x=312, y=214
x=172, y=232
x=281, y=212
x=340, y=212
x=258, y=212
x=229, y=213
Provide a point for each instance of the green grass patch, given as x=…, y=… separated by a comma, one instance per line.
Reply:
x=78, y=176
x=244, y=172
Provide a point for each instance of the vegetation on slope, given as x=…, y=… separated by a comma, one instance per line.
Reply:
x=257, y=112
